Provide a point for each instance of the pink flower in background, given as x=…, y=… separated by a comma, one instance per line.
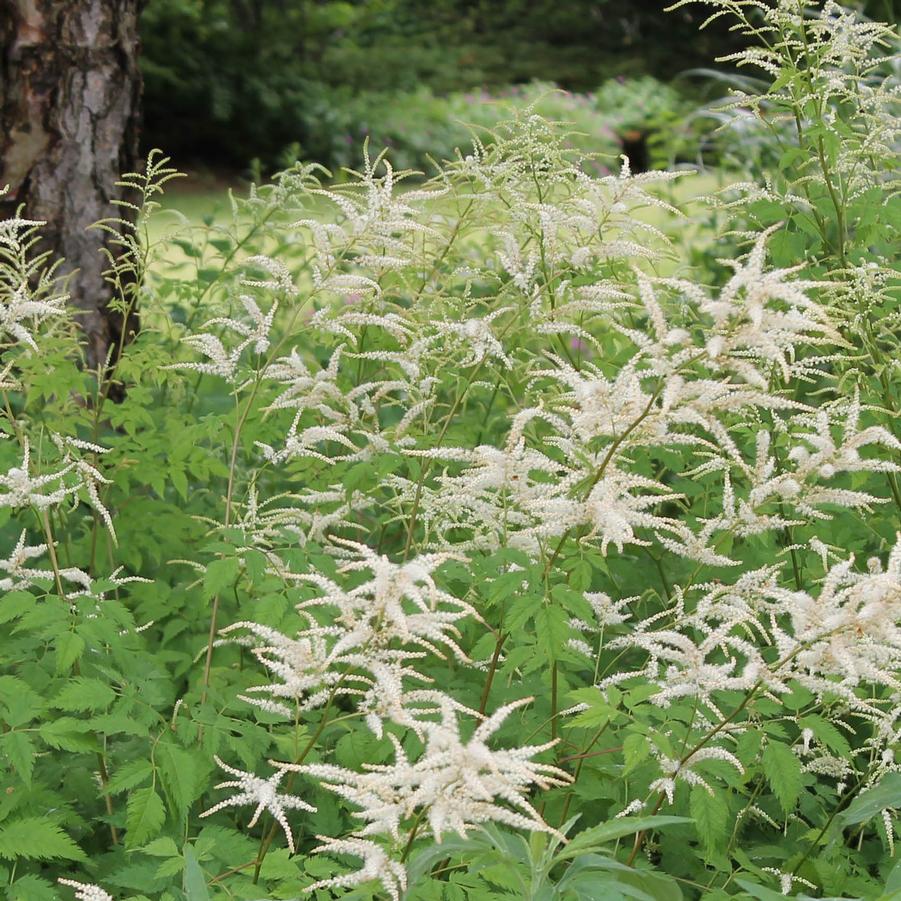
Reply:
x=582, y=348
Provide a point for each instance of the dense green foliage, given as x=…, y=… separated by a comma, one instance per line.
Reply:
x=229, y=80
x=527, y=533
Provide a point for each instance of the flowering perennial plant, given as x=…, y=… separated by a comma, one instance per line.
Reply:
x=489, y=542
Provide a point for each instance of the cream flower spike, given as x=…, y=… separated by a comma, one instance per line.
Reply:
x=263, y=793
x=377, y=865
x=85, y=891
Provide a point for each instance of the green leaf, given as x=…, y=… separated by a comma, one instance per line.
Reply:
x=69, y=647
x=219, y=575
x=19, y=748
x=580, y=575
x=553, y=629
x=636, y=749
x=144, y=816
x=194, y=884
x=22, y=703
x=711, y=815
x=82, y=693
x=599, y=708
x=521, y=610
x=14, y=604
x=180, y=481
x=35, y=838
x=68, y=734
x=506, y=585
x=574, y=602
x=179, y=775
x=614, y=829
x=783, y=771
x=827, y=733
x=255, y=563
x=161, y=847
x=32, y=888
x=755, y=890
x=893, y=884
x=600, y=878
x=886, y=793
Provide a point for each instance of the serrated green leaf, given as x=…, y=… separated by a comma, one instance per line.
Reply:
x=553, y=629
x=18, y=747
x=68, y=734
x=598, y=708
x=32, y=888
x=22, y=703
x=144, y=816
x=180, y=482
x=255, y=563
x=580, y=575
x=171, y=866
x=36, y=838
x=220, y=575
x=161, y=847
x=116, y=724
x=827, y=733
x=194, y=883
x=636, y=749
x=82, y=693
x=520, y=611
x=505, y=585
x=69, y=647
x=14, y=604
x=783, y=771
x=710, y=815
x=574, y=602
x=179, y=774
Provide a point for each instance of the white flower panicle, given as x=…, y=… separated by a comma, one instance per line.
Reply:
x=19, y=575
x=457, y=784
x=677, y=770
x=401, y=602
x=617, y=413
x=29, y=293
x=264, y=794
x=86, y=891
x=20, y=488
x=377, y=866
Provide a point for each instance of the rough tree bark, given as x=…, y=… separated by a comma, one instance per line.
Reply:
x=69, y=113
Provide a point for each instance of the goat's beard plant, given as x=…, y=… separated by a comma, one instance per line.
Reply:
x=480, y=514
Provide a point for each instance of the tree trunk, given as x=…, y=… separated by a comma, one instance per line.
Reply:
x=69, y=114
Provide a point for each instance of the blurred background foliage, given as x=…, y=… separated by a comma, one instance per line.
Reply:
x=228, y=82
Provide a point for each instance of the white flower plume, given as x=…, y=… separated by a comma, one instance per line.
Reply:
x=264, y=794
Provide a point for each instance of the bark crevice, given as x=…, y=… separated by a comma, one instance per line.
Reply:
x=69, y=119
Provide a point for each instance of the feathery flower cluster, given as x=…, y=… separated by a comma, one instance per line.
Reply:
x=568, y=464
x=756, y=635
x=28, y=291
x=85, y=891
x=681, y=770
x=371, y=632
x=455, y=784
x=19, y=575
x=688, y=432
x=22, y=489
x=264, y=794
